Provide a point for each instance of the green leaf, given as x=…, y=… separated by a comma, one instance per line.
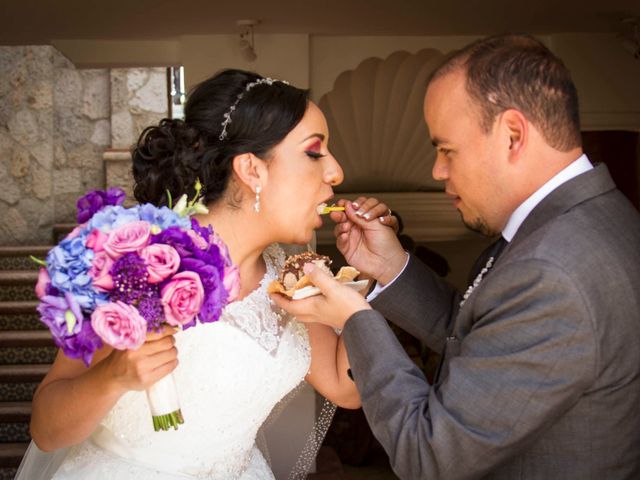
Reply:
x=170, y=199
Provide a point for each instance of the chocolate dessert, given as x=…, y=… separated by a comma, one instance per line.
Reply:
x=293, y=267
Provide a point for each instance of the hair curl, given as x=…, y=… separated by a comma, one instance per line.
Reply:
x=170, y=156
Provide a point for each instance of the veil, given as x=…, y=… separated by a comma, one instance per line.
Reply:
x=295, y=463
x=286, y=462
x=39, y=465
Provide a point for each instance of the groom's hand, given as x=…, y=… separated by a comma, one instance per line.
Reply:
x=333, y=308
x=367, y=243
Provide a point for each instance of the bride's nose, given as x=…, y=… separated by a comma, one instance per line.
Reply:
x=333, y=174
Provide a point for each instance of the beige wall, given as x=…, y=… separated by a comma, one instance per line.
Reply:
x=607, y=78
x=326, y=65
x=120, y=53
x=606, y=75
x=279, y=56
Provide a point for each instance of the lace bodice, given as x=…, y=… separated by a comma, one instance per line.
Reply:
x=231, y=374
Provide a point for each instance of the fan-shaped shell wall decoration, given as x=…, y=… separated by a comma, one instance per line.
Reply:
x=376, y=124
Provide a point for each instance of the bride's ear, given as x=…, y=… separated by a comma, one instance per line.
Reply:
x=250, y=170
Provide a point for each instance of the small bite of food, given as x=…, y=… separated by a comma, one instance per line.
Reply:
x=323, y=209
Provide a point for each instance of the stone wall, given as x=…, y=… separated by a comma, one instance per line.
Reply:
x=139, y=98
x=54, y=125
x=56, y=122
x=26, y=145
x=82, y=133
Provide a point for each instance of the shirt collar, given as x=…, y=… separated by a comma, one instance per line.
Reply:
x=519, y=215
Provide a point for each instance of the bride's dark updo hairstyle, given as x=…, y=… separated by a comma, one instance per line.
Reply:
x=173, y=154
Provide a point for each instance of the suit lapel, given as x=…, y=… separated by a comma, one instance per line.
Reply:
x=577, y=190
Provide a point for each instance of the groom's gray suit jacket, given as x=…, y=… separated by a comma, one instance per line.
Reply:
x=541, y=371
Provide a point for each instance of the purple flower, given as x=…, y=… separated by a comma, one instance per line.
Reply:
x=82, y=345
x=63, y=316
x=152, y=311
x=129, y=275
x=178, y=239
x=95, y=200
x=211, y=276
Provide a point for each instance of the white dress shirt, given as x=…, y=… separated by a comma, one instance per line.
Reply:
x=520, y=214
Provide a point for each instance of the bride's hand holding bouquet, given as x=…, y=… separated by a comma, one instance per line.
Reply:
x=128, y=278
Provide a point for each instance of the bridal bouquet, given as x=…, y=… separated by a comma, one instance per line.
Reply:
x=123, y=272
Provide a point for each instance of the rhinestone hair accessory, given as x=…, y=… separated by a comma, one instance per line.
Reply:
x=232, y=108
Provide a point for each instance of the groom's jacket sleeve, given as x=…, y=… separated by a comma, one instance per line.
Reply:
x=523, y=363
x=424, y=308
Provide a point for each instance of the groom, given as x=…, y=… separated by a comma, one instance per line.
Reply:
x=540, y=377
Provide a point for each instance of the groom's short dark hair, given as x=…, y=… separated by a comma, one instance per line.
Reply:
x=518, y=71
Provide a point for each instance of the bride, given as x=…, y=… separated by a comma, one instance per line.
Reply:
x=259, y=147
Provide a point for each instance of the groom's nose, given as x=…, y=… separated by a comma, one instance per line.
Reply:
x=440, y=170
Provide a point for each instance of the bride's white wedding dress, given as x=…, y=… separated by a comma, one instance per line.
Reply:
x=231, y=374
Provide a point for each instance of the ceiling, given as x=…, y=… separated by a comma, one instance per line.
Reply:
x=41, y=21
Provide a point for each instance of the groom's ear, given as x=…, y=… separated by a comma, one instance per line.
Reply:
x=249, y=169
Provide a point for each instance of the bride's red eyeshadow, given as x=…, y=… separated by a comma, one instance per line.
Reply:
x=314, y=147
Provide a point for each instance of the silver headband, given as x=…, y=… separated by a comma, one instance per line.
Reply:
x=249, y=86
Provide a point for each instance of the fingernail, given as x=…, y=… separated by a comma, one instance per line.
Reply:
x=355, y=205
x=367, y=216
x=381, y=219
x=308, y=267
x=359, y=213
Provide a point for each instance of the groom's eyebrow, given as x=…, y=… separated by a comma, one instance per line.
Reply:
x=314, y=135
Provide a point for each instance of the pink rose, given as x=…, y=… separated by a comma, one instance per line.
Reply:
x=119, y=325
x=231, y=282
x=43, y=282
x=99, y=271
x=182, y=298
x=162, y=261
x=130, y=237
x=96, y=240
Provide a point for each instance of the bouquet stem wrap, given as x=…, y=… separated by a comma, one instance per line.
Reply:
x=164, y=404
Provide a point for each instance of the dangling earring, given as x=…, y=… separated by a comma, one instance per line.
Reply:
x=256, y=206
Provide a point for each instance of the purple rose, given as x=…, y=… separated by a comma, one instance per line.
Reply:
x=95, y=200
x=177, y=238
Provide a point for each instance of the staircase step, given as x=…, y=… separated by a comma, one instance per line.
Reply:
x=25, y=251
x=27, y=355
x=19, y=315
x=23, y=373
x=14, y=432
x=11, y=454
x=61, y=230
x=21, y=338
x=18, y=392
x=18, y=277
x=26, y=347
x=18, y=257
x=15, y=412
x=21, y=322
x=18, y=287
x=18, y=307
